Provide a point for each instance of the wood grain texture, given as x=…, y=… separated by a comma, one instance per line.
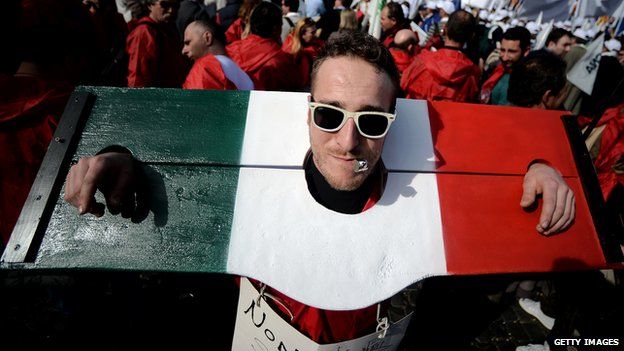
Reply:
x=31, y=224
x=187, y=229
x=168, y=125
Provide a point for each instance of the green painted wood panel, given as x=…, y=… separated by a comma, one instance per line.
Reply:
x=167, y=125
x=187, y=230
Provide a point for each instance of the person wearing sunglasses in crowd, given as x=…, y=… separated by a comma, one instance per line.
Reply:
x=154, y=48
x=355, y=84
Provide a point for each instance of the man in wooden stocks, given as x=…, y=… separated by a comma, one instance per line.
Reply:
x=353, y=74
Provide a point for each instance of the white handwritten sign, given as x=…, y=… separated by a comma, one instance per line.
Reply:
x=259, y=328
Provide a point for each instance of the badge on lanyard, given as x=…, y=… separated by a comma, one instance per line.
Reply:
x=260, y=328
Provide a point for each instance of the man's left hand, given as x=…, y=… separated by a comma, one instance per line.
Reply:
x=558, y=209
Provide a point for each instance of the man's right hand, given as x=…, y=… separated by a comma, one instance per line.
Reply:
x=114, y=174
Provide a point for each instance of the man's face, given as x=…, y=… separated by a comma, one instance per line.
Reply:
x=386, y=22
x=195, y=43
x=354, y=85
x=510, y=52
x=561, y=47
x=164, y=10
x=285, y=8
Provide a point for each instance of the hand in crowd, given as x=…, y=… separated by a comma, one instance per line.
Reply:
x=115, y=175
x=558, y=208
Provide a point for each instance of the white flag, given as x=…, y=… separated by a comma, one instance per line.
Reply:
x=540, y=41
x=375, y=22
x=583, y=74
x=422, y=35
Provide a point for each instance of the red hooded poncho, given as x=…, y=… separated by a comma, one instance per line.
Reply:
x=304, y=58
x=611, y=152
x=267, y=65
x=402, y=58
x=155, y=55
x=208, y=74
x=446, y=74
x=29, y=112
x=234, y=31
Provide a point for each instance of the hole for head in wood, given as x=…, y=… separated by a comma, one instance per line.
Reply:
x=17, y=247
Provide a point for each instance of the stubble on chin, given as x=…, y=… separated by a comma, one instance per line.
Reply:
x=348, y=183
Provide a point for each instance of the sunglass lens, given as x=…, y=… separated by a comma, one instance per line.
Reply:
x=327, y=118
x=373, y=125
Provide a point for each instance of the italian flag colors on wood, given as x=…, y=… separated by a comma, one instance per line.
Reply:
x=229, y=196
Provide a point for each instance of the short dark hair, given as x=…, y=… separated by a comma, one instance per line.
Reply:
x=293, y=5
x=556, y=34
x=209, y=25
x=395, y=11
x=265, y=19
x=519, y=33
x=461, y=26
x=533, y=75
x=357, y=44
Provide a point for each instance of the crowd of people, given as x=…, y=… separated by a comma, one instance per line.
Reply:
x=440, y=52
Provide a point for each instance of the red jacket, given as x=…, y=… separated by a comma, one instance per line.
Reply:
x=267, y=65
x=234, y=31
x=304, y=58
x=155, y=55
x=402, y=58
x=208, y=74
x=611, y=150
x=490, y=83
x=29, y=112
x=446, y=74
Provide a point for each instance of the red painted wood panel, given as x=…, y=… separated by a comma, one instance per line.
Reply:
x=486, y=230
x=497, y=139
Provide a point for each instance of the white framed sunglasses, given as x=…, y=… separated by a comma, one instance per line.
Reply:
x=370, y=124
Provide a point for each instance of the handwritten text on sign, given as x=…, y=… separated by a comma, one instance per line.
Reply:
x=259, y=328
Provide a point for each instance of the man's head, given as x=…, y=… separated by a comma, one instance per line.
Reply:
x=516, y=44
x=460, y=27
x=266, y=20
x=391, y=16
x=290, y=6
x=405, y=39
x=163, y=10
x=559, y=41
x=537, y=81
x=423, y=11
x=356, y=73
x=199, y=37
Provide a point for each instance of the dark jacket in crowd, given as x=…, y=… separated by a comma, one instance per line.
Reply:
x=229, y=13
x=193, y=10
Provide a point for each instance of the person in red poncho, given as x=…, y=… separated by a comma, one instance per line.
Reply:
x=153, y=48
x=392, y=20
x=236, y=30
x=516, y=44
x=447, y=74
x=260, y=54
x=404, y=48
x=609, y=162
x=303, y=44
x=33, y=97
x=213, y=69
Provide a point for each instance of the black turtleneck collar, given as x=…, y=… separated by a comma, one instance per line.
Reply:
x=349, y=202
